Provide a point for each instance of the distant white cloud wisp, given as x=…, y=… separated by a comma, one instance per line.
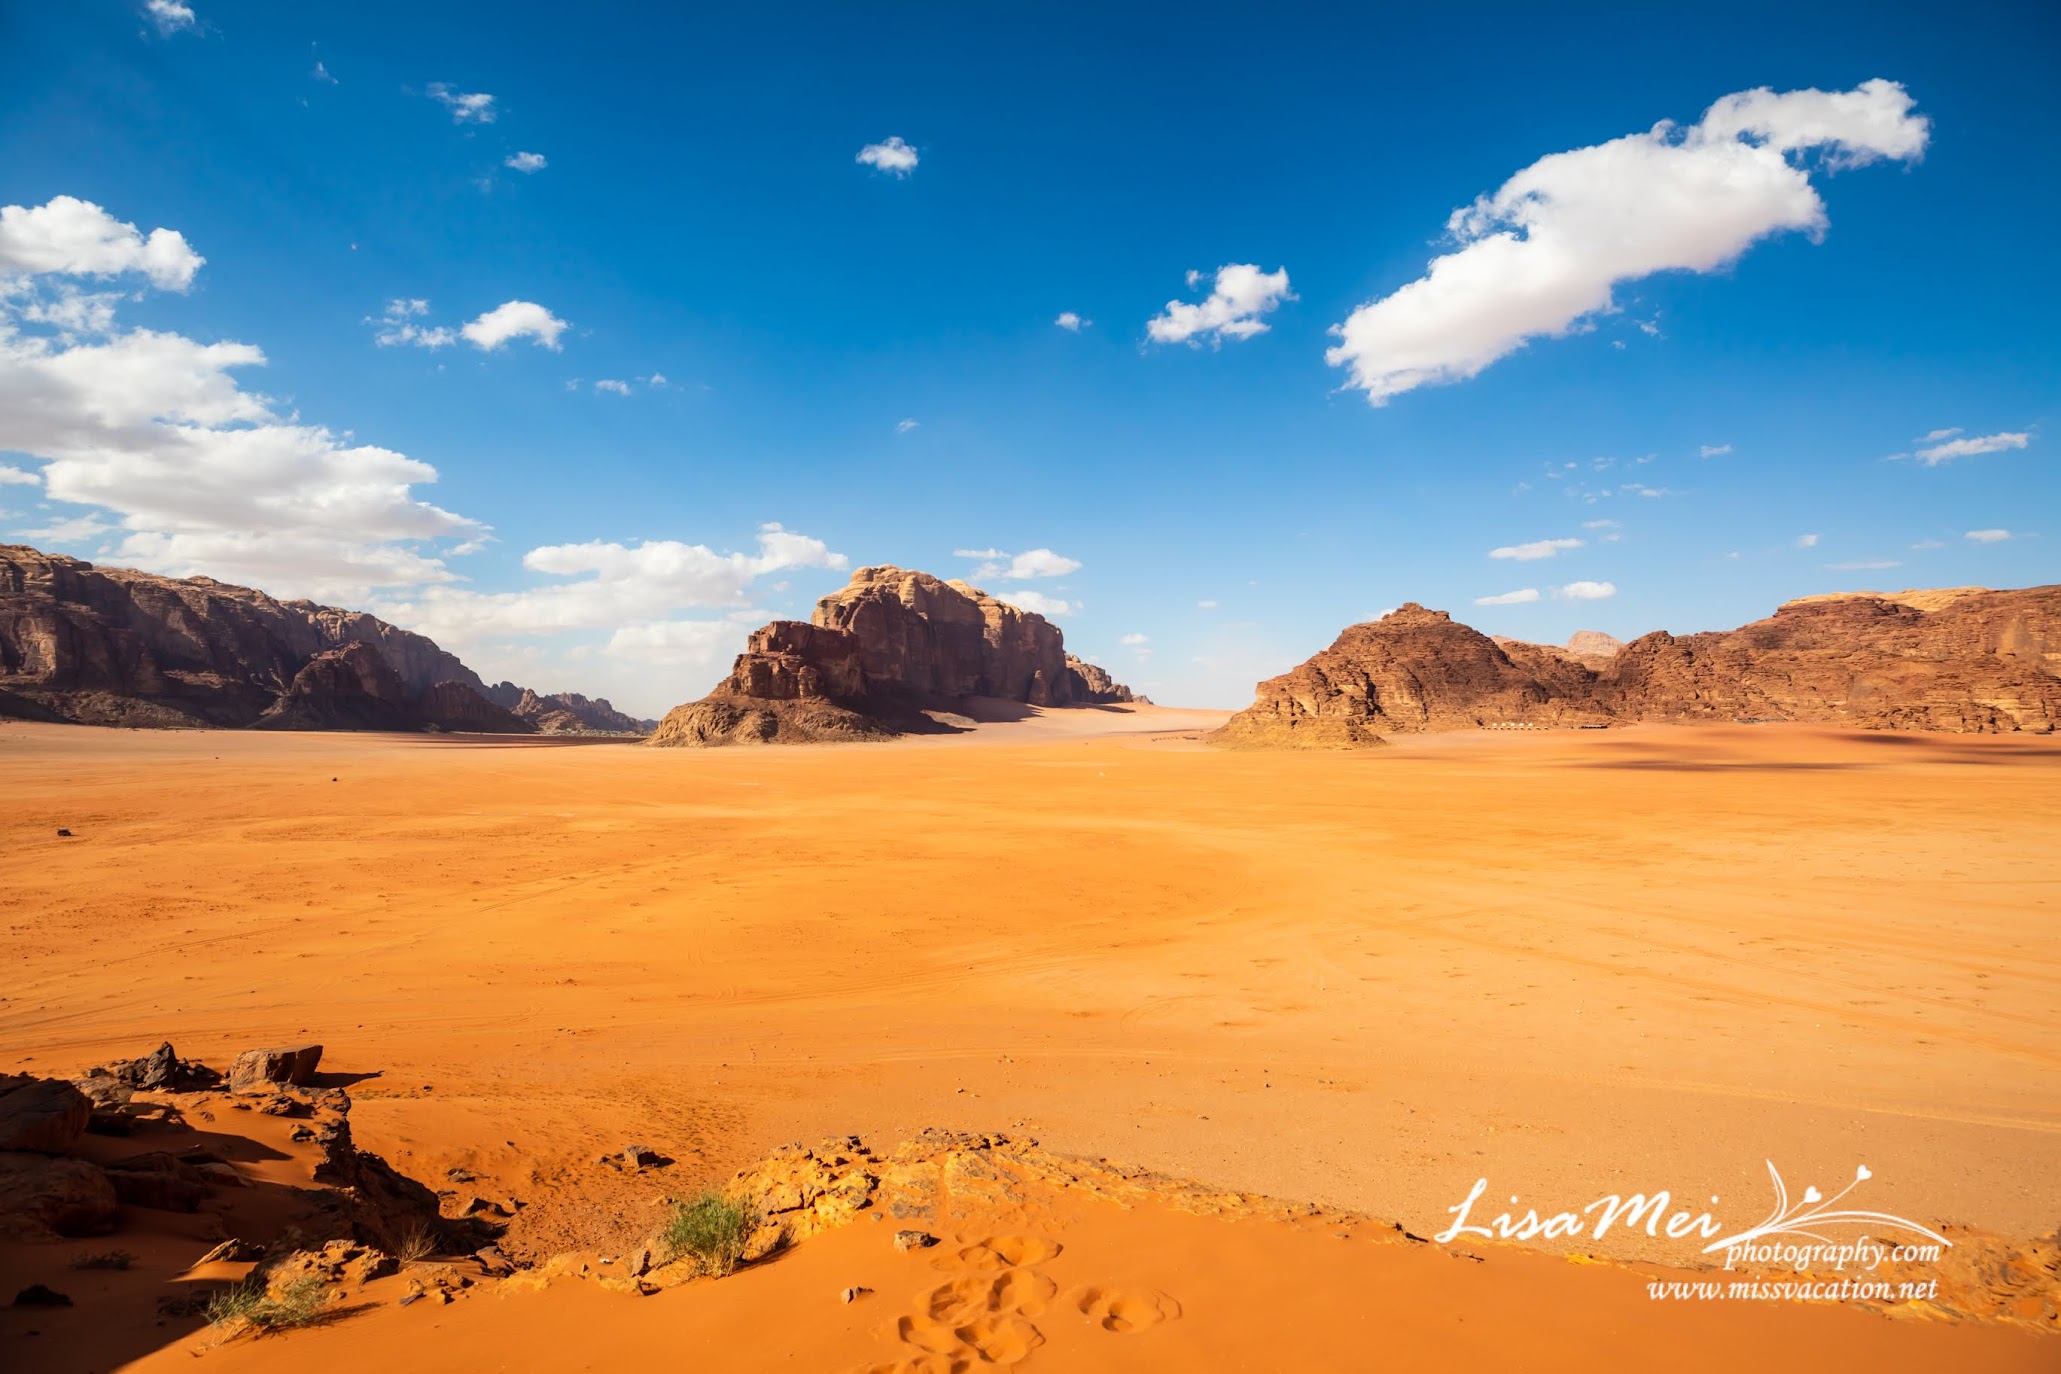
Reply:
x=514, y=320
x=893, y=156
x=1806, y=541
x=1988, y=536
x=1713, y=450
x=1051, y=607
x=1071, y=322
x=1586, y=591
x=1547, y=249
x=1951, y=448
x=1538, y=548
x=466, y=107
x=1019, y=567
x=170, y=16
x=526, y=162
x=402, y=324
x=1242, y=293
x=1516, y=598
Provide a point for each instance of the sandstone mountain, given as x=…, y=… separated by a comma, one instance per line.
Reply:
x=877, y=656
x=1964, y=660
x=110, y=646
x=566, y=713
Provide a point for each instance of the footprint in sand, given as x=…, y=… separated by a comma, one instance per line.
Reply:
x=922, y=1364
x=1002, y=1252
x=1000, y=1339
x=1021, y=1291
x=1124, y=1310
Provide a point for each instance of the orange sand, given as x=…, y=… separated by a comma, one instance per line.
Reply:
x=1572, y=963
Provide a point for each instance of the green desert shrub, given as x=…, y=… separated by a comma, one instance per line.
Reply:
x=250, y=1304
x=711, y=1231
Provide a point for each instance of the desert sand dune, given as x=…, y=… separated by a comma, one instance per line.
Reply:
x=1567, y=962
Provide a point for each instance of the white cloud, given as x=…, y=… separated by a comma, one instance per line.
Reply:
x=1132, y=641
x=17, y=478
x=321, y=73
x=401, y=325
x=1206, y=605
x=1069, y=320
x=904, y=426
x=515, y=320
x=1713, y=450
x=1988, y=536
x=656, y=381
x=1936, y=435
x=526, y=162
x=170, y=16
x=1241, y=295
x=1051, y=607
x=1599, y=524
x=476, y=107
x=1643, y=490
x=1516, y=598
x=1538, y=548
x=79, y=529
x=1928, y=544
x=1587, y=591
x=894, y=157
x=1806, y=541
x=1865, y=565
x=77, y=238
x=1019, y=567
x=1546, y=251
x=1968, y=448
x=609, y=384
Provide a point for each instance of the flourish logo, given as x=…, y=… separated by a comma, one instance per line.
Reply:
x=1809, y=1218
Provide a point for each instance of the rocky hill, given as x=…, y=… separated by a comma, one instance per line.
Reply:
x=567, y=713
x=110, y=646
x=1964, y=660
x=878, y=655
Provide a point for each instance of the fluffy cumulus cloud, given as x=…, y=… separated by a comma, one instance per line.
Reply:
x=170, y=16
x=1586, y=591
x=894, y=157
x=181, y=468
x=1988, y=536
x=1538, y=548
x=613, y=386
x=76, y=238
x=1545, y=251
x=1241, y=294
x=514, y=320
x=1071, y=322
x=466, y=107
x=1949, y=448
x=1019, y=567
x=1051, y=607
x=402, y=324
x=1516, y=598
x=525, y=162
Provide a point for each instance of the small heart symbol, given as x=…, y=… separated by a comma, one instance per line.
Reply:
x=1811, y=1195
x=1863, y=1173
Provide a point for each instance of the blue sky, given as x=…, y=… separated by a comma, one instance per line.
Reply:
x=702, y=215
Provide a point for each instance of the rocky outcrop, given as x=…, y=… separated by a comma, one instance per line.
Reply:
x=566, y=713
x=1964, y=660
x=1092, y=684
x=1411, y=671
x=109, y=646
x=46, y=1115
x=876, y=657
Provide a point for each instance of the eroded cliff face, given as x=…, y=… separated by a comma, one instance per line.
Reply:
x=876, y=655
x=1964, y=660
x=111, y=646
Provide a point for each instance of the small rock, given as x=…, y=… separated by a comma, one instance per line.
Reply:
x=639, y=1156
x=854, y=1293
x=36, y=1295
x=231, y=1251
x=643, y=1261
x=412, y=1297
x=458, y=1174
x=257, y=1071
x=914, y=1240
x=63, y=834
x=493, y=1261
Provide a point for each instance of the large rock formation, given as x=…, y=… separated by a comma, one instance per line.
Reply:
x=566, y=713
x=109, y=646
x=1965, y=660
x=1092, y=684
x=877, y=656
